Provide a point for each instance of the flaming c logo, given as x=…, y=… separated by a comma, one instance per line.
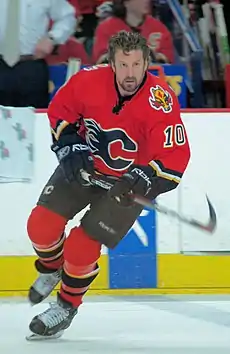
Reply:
x=160, y=99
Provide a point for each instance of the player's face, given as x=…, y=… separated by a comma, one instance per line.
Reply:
x=130, y=70
x=140, y=7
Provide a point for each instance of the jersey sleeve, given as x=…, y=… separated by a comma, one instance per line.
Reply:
x=167, y=143
x=66, y=107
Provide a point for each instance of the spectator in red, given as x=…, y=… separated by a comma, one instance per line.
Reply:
x=133, y=15
x=85, y=6
x=75, y=4
x=87, y=22
x=99, y=2
x=71, y=49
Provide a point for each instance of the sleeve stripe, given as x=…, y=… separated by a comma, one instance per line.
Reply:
x=161, y=171
x=61, y=126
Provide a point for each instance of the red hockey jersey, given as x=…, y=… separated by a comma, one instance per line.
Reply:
x=147, y=130
x=158, y=36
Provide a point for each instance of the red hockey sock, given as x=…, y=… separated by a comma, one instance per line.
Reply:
x=46, y=231
x=80, y=266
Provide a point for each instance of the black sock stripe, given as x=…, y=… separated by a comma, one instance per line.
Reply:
x=51, y=260
x=77, y=282
x=48, y=254
x=72, y=294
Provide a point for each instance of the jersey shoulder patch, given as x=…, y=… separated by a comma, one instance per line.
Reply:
x=160, y=99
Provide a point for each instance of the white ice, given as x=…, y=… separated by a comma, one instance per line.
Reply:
x=114, y=325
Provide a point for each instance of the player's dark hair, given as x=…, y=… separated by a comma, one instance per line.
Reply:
x=127, y=41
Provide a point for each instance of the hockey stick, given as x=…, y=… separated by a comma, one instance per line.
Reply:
x=209, y=227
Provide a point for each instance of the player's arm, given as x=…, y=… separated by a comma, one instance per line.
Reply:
x=167, y=145
x=66, y=108
x=65, y=112
x=168, y=154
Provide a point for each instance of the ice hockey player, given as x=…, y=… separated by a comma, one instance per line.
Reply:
x=116, y=120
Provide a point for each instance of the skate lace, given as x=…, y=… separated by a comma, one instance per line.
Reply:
x=53, y=315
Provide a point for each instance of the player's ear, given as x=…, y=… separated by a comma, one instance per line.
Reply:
x=112, y=66
x=146, y=65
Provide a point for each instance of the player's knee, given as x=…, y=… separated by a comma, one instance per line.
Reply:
x=45, y=227
x=80, y=249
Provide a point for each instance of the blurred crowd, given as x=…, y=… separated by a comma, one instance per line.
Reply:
x=49, y=32
x=97, y=20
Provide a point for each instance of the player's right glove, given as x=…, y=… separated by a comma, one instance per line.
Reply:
x=73, y=155
x=137, y=180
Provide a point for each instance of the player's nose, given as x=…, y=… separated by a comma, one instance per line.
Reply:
x=130, y=72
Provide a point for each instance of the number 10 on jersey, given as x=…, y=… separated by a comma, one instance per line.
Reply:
x=174, y=134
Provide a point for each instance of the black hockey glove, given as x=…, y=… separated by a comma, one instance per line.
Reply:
x=137, y=180
x=73, y=155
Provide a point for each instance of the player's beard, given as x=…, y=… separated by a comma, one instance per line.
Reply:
x=129, y=84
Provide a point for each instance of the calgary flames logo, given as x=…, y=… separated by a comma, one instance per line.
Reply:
x=160, y=99
x=113, y=146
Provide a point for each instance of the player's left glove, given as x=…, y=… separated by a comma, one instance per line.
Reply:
x=73, y=155
x=137, y=180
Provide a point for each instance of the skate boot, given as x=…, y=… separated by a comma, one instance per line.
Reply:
x=51, y=323
x=44, y=284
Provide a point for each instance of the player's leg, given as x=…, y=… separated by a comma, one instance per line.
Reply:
x=80, y=268
x=106, y=222
x=58, y=203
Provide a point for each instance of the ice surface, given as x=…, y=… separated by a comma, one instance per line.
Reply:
x=114, y=325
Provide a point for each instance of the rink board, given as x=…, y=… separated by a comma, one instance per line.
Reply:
x=159, y=255
x=176, y=274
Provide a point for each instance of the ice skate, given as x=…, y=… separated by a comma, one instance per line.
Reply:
x=51, y=323
x=43, y=285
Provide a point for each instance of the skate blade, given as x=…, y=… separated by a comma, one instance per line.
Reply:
x=37, y=337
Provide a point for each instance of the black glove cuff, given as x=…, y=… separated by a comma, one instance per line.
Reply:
x=137, y=171
x=140, y=178
x=69, y=144
x=68, y=139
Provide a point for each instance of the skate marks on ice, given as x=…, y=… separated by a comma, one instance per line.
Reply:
x=111, y=327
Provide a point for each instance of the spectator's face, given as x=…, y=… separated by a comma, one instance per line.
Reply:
x=129, y=69
x=139, y=7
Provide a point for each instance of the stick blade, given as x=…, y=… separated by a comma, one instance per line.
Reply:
x=212, y=222
x=212, y=214
x=209, y=227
